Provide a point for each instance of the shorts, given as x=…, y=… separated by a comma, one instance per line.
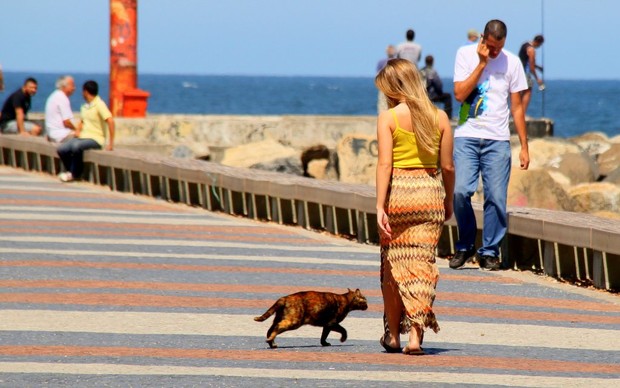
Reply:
x=11, y=126
x=531, y=81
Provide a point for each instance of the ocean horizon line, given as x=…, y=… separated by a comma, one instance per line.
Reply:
x=242, y=75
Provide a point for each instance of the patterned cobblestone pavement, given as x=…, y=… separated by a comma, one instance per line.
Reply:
x=107, y=289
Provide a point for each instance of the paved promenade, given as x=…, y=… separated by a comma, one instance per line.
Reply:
x=99, y=288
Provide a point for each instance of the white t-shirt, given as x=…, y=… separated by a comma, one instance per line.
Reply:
x=410, y=51
x=484, y=114
x=57, y=110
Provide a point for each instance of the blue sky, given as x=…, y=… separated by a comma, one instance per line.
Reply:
x=302, y=37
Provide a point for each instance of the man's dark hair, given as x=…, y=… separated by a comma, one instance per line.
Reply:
x=496, y=28
x=30, y=79
x=91, y=87
x=410, y=34
x=539, y=39
x=429, y=60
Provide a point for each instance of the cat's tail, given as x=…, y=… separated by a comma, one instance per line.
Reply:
x=276, y=306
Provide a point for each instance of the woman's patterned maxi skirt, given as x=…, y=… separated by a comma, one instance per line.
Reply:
x=416, y=214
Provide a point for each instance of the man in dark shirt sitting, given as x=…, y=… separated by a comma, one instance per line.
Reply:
x=434, y=86
x=15, y=109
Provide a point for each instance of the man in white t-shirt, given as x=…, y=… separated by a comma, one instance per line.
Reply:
x=485, y=77
x=58, y=113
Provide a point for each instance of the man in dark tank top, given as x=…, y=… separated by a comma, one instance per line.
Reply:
x=527, y=54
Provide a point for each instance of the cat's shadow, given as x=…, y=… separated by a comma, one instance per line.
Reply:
x=314, y=346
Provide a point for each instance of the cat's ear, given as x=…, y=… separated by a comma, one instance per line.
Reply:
x=349, y=289
x=357, y=291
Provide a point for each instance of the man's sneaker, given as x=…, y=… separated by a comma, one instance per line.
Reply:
x=489, y=263
x=460, y=258
x=65, y=176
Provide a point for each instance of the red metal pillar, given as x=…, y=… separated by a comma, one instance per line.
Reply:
x=123, y=51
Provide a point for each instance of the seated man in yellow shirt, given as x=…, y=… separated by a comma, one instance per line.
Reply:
x=89, y=134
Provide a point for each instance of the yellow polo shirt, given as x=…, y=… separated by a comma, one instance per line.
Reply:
x=94, y=116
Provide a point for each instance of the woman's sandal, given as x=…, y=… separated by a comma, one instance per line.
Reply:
x=387, y=347
x=413, y=352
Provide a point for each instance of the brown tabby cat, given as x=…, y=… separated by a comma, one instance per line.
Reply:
x=324, y=309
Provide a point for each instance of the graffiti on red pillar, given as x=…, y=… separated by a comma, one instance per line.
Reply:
x=123, y=51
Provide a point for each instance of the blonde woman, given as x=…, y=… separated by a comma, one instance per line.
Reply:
x=415, y=186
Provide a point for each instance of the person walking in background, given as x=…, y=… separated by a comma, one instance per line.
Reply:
x=58, y=113
x=527, y=55
x=414, y=198
x=409, y=50
x=485, y=76
x=472, y=36
x=13, y=118
x=434, y=86
x=390, y=52
x=89, y=134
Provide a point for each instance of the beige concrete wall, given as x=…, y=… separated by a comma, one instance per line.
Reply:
x=228, y=130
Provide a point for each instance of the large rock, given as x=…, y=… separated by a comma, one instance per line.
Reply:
x=251, y=154
x=607, y=214
x=321, y=169
x=546, y=152
x=290, y=165
x=609, y=160
x=594, y=143
x=357, y=158
x=186, y=150
x=318, y=162
x=613, y=177
x=578, y=168
x=536, y=188
x=192, y=151
x=596, y=197
x=567, y=159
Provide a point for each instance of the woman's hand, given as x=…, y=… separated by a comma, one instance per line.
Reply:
x=385, y=231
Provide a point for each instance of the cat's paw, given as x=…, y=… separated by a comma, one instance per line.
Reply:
x=272, y=344
x=326, y=344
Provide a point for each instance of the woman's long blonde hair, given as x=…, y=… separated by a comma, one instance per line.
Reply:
x=401, y=81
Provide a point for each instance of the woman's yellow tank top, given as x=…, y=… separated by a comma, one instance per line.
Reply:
x=405, y=152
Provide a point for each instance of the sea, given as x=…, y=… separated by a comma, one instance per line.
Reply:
x=575, y=106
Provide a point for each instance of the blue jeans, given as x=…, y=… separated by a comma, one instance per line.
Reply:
x=72, y=154
x=491, y=159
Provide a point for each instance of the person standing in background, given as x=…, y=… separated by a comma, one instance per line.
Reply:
x=472, y=36
x=527, y=55
x=485, y=77
x=58, y=113
x=414, y=198
x=390, y=52
x=409, y=50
